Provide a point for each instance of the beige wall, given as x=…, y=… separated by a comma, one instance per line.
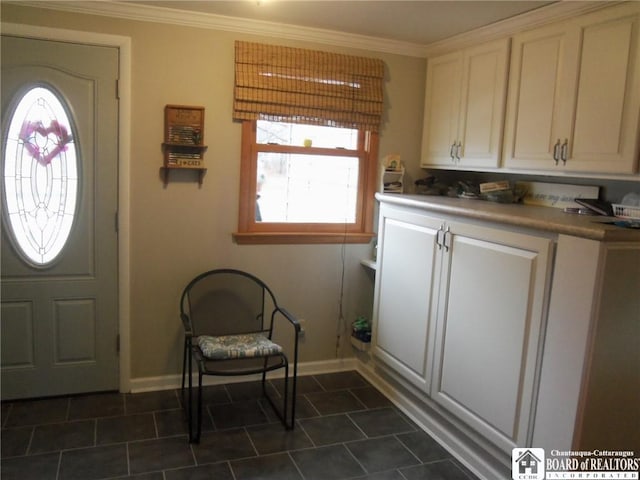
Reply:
x=180, y=230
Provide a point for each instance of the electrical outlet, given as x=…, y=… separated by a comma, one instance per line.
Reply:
x=303, y=327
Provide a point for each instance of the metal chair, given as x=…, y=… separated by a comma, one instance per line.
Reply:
x=229, y=319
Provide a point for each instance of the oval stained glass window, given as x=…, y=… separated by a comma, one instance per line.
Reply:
x=40, y=176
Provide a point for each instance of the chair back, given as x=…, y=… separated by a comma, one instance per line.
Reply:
x=227, y=301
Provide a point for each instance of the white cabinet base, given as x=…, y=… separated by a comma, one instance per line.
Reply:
x=458, y=312
x=501, y=361
x=488, y=344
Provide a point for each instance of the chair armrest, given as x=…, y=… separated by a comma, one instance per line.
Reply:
x=289, y=316
x=186, y=322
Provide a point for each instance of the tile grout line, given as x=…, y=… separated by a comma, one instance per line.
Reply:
x=402, y=474
x=263, y=409
x=193, y=453
x=233, y=474
x=395, y=435
x=253, y=445
x=128, y=459
x=157, y=422
x=344, y=445
x=295, y=464
x=33, y=434
x=307, y=434
x=311, y=404
x=355, y=424
x=59, y=467
x=366, y=407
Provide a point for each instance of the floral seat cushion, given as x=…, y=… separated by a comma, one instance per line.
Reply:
x=237, y=346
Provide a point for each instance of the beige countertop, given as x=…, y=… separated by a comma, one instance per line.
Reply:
x=527, y=216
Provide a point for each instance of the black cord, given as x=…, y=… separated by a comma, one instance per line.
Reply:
x=341, y=323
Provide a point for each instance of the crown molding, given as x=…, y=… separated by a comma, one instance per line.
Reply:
x=556, y=12
x=147, y=13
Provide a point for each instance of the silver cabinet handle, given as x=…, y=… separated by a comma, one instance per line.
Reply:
x=447, y=239
x=453, y=145
x=556, y=151
x=440, y=237
x=563, y=151
x=458, y=150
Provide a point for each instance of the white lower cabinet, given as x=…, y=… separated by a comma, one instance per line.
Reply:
x=458, y=312
x=491, y=302
x=406, y=278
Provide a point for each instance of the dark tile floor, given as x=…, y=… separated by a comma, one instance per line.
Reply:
x=345, y=429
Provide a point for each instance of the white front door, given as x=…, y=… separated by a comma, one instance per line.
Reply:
x=59, y=253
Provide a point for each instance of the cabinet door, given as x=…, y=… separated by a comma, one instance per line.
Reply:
x=442, y=108
x=576, y=85
x=542, y=76
x=490, y=316
x=484, y=87
x=407, y=261
x=608, y=97
x=464, y=105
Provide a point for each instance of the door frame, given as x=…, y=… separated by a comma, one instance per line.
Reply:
x=123, y=44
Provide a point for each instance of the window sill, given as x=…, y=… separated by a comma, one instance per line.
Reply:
x=281, y=238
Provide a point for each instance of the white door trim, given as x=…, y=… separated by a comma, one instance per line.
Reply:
x=124, y=158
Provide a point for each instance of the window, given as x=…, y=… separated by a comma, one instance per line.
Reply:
x=319, y=193
x=303, y=188
x=40, y=176
x=309, y=144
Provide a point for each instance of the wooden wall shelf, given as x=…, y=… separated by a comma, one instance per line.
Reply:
x=183, y=146
x=165, y=173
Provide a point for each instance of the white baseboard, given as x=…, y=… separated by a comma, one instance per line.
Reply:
x=467, y=452
x=462, y=448
x=168, y=382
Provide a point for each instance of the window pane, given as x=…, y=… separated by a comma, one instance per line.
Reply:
x=296, y=134
x=306, y=188
x=40, y=176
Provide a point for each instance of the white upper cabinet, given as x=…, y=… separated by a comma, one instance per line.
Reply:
x=574, y=95
x=464, y=105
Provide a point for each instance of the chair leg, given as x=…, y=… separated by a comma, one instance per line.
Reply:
x=294, y=393
x=199, y=431
x=286, y=397
x=184, y=366
x=190, y=400
x=285, y=404
x=184, y=371
x=264, y=377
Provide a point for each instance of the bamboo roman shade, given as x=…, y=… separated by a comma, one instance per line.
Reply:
x=296, y=85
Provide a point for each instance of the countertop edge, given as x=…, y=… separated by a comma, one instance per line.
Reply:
x=546, y=219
